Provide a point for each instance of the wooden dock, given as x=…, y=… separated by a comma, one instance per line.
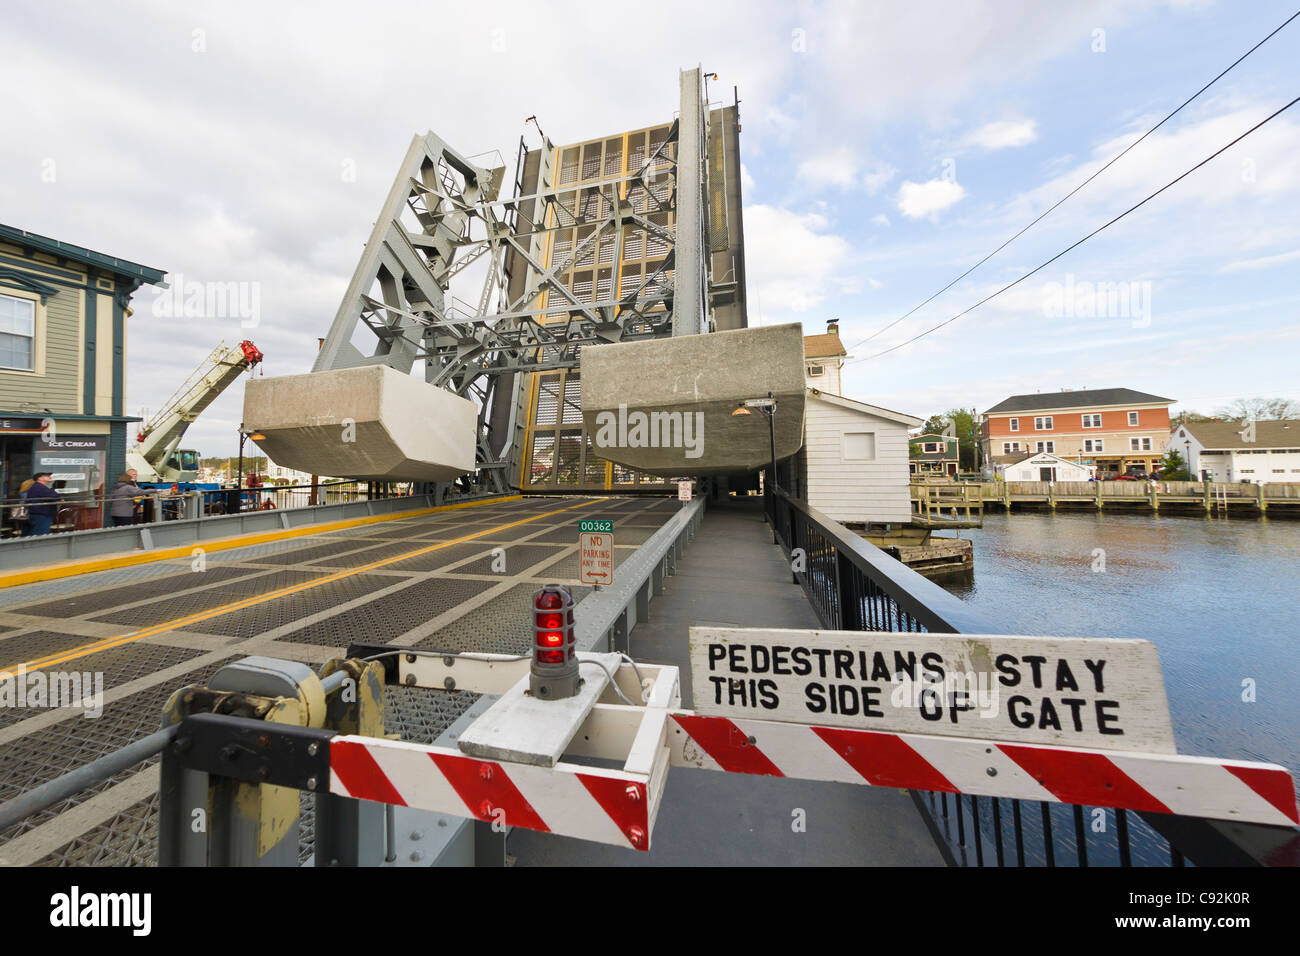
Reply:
x=957, y=504
x=934, y=504
x=917, y=547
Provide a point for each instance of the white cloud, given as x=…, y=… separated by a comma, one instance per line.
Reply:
x=878, y=176
x=971, y=51
x=790, y=260
x=880, y=219
x=747, y=184
x=842, y=168
x=1264, y=262
x=1003, y=134
x=838, y=168
x=250, y=188
x=917, y=200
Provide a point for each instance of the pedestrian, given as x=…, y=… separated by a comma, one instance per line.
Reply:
x=122, y=499
x=18, y=513
x=41, y=515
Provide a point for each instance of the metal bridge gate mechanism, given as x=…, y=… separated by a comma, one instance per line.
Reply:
x=442, y=216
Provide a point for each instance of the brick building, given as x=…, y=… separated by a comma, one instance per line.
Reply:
x=1117, y=430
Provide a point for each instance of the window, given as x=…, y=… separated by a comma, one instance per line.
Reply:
x=1047, y=446
x=1132, y=418
x=815, y=370
x=1015, y=424
x=859, y=446
x=1094, y=444
x=17, y=333
x=933, y=446
x=1248, y=471
x=1043, y=424
x=1091, y=421
x=1139, y=444
x=1009, y=446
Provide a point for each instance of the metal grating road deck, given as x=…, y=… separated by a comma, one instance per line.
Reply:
x=468, y=586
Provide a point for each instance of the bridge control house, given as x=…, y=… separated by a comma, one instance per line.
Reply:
x=63, y=312
x=1116, y=430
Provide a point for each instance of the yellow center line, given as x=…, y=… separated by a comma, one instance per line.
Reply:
x=111, y=642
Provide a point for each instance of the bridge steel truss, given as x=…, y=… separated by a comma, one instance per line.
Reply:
x=443, y=215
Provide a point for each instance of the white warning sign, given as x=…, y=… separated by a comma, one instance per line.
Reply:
x=1080, y=692
x=596, y=557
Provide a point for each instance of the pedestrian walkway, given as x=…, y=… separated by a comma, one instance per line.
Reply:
x=732, y=575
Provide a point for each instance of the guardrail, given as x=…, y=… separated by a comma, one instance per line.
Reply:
x=47, y=549
x=604, y=619
x=854, y=586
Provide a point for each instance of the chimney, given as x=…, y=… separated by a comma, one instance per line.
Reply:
x=833, y=326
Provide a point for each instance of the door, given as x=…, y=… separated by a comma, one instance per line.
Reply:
x=1046, y=474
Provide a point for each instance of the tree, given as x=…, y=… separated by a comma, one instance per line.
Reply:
x=963, y=429
x=1185, y=416
x=958, y=423
x=934, y=425
x=1173, y=468
x=1260, y=409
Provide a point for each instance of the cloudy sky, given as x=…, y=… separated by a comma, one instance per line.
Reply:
x=887, y=147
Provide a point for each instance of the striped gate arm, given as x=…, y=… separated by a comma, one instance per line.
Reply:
x=591, y=803
x=1236, y=790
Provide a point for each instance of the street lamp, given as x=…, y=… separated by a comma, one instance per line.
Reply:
x=768, y=405
x=244, y=435
x=239, y=475
x=1187, y=461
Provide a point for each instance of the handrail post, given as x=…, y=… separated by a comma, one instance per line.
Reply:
x=850, y=611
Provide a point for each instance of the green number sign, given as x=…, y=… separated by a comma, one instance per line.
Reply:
x=596, y=526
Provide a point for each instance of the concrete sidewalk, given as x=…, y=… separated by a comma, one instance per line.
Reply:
x=732, y=574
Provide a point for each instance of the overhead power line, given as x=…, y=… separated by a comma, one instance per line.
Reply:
x=1080, y=242
x=1052, y=207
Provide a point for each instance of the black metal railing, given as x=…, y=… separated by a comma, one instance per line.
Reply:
x=854, y=586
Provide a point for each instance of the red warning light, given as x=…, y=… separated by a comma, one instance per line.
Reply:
x=553, y=626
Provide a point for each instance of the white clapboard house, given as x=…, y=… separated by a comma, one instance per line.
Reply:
x=1045, y=467
x=1256, y=452
x=853, y=466
x=854, y=463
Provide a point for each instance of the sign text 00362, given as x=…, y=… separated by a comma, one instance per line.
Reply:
x=595, y=558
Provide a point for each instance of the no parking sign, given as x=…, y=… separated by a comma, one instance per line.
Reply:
x=596, y=551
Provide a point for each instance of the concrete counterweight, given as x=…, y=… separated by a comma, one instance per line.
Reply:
x=370, y=422
x=665, y=406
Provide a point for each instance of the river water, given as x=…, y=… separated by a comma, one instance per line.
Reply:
x=1217, y=597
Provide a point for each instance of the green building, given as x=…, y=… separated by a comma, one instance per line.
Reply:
x=63, y=312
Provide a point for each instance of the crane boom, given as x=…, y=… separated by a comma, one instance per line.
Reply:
x=159, y=437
